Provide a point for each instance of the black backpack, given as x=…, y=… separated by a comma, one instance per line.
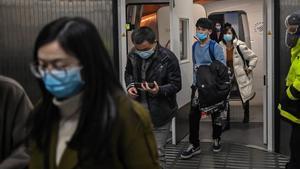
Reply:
x=212, y=81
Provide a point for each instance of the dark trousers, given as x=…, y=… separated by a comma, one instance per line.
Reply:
x=246, y=112
x=294, y=162
x=246, y=108
x=194, y=119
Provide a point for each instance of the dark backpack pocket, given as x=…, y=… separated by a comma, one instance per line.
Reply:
x=213, y=83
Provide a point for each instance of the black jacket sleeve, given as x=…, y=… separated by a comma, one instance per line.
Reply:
x=173, y=77
x=129, y=79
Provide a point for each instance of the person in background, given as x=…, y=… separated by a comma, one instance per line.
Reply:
x=153, y=78
x=290, y=101
x=15, y=107
x=84, y=120
x=202, y=56
x=216, y=34
x=241, y=60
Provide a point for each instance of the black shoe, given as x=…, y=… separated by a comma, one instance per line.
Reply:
x=227, y=127
x=217, y=145
x=246, y=119
x=246, y=116
x=190, y=152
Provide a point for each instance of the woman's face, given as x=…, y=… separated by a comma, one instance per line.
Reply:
x=60, y=72
x=52, y=56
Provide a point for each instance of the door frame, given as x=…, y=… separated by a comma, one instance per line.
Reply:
x=269, y=50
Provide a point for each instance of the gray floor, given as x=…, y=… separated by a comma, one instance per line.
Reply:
x=245, y=134
x=232, y=156
x=250, y=134
x=243, y=146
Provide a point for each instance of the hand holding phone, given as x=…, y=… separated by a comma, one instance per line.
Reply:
x=139, y=85
x=152, y=88
x=151, y=85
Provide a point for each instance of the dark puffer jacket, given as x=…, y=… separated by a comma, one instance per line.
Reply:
x=162, y=67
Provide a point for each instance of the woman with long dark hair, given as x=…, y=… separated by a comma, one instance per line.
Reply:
x=84, y=119
x=241, y=60
x=216, y=34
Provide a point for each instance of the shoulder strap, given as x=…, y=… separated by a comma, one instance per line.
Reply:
x=211, y=50
x=212, y=44
x=193, y=51
x=241, y=54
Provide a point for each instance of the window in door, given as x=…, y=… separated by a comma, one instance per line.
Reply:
x=183, y=31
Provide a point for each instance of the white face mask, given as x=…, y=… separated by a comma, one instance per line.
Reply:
x=218, y=27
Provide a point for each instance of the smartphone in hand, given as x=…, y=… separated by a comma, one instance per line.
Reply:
x=139, y=85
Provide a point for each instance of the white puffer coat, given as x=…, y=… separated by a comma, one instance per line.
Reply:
x=244, y=81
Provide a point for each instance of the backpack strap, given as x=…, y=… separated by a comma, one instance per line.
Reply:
x=193, y=51
x=212, y=44
x=241, y=54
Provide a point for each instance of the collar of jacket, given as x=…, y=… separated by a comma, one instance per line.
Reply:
x=69, y=159
x=295, y=51
x=37, y=157
x=235, y=43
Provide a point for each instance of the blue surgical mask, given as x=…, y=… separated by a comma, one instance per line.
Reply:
x=63, y=83
x=145, y=54
x=201, y=36
x=227, y=37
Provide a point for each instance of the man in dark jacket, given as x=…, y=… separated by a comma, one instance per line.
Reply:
x=153, y=78
x=14, y=110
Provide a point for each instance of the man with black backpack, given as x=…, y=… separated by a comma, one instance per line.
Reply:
x=209, y=71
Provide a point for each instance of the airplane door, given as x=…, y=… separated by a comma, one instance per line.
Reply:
x=174, y=23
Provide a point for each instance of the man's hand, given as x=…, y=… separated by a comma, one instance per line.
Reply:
x=153, y=90
x=132, y=92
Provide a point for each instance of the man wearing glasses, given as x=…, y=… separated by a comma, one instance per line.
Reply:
x=290, y=101
x=153, y=78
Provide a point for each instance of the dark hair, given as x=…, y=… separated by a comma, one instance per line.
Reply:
x=215, y=23
x=142, y=34
x=228, y=27
x=79, y=37
x=204, y=23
